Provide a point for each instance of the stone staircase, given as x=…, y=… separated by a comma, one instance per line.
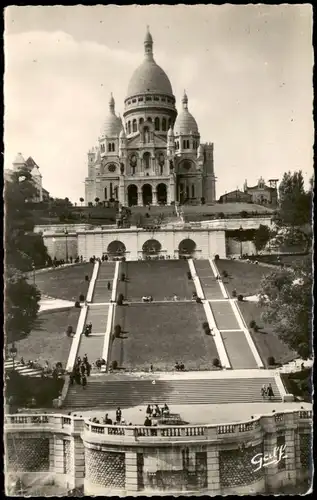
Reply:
x=208, y=282
x=93, y=345
x=105, y=274
x=108, y=391
x=237, y=347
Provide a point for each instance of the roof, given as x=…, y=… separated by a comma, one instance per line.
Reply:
x=19, y=159
x=149, y=77
x=185, y=122
x=236, y=191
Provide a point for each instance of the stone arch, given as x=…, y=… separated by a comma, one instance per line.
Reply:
x=116, y=249
x=151, y=247
x=147, y=160
x=147, y=194
x=132, y=195
x=186, y=248
x=162, y=193
x=134, y=125
x=141, y=121
x=164, y=124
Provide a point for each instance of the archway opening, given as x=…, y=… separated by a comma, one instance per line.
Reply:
x=147, y=194
x=116, y=249
x=162, y=194
x=151, y=247
x=186, y=248
x=132, y=195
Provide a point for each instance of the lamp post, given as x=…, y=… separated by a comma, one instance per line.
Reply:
x=240, y=232
x=66, y=234
x=13, y=353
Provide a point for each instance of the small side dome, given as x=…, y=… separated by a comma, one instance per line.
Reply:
x=185, y=122
x=112, y=124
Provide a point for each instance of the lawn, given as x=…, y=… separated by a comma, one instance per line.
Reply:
x=48, y=340
x=160, y=278
x=64, y=283
x=245, y=278
x=161, y=334
x=266, y=341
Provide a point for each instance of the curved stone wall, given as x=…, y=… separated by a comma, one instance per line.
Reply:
x=120, y=460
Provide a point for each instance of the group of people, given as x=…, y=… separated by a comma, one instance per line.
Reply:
x=196, y=298
x=55, y=371
x=147, y=298
x=180, y=367
x=88, y=329
x=155, y=411
x=81, y=371
x=267, y=391
x=99, y=363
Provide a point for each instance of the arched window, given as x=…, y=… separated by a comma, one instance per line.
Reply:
x=164, y=124
x=146, y=160
x=129, y=127
x=116, y=192
x=184, y=144
x=109, y=147
x=105, y=193
x=157, y=123
x=102, y=147
x=149, y=120
x=187, y=144
x=193, y=191
x=111, y=192
x=141, y=121
x=187, y=191
x=134, y=126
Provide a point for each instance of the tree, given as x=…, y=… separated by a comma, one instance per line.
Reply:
x=261, y=237
x=286, y=296
x=97, y=200
x=21, y=304
x=81, y=200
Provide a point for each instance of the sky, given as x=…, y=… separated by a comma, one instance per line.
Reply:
x=247, y=71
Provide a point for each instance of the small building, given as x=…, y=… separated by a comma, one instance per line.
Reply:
x=31, y=165
x=236, y=196
x=262, y=194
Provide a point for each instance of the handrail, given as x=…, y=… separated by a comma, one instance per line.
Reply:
x=71, y=423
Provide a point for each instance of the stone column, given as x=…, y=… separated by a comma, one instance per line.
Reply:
x=140, y=201
x=58, y=455
x=154, y=197
x=270, y=442
x=213, y=470
x=131, y=472
x=78, y=461
x=290, y=447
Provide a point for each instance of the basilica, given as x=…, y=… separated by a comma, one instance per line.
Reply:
x=154, y=156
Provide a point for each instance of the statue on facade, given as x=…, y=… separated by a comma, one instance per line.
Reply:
x=121, y=168
x=171, y=165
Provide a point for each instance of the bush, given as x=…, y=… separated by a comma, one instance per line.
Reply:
x=86, y=277
x=216, y=363
x=225, y=274
x=120, y=299
x=77, y=304
x=69, y=330
x=234, y=293
x=122, y=277
x=252, y=323
x=207, y=331
x=240, y=297
x=114, y=364
x=189, y=276
x=81, y=297
x=117, y=331
x=271, y=361
x=256, y=328
x=205, y=325
x=217, y=257
x=221, y=215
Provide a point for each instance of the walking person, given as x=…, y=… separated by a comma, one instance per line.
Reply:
x=84, y=381
x=263, y=391
x=109, y=285
x=82, y=369
x=88, y=368
x=118, y=414
x=85, y=359
x=270, y=392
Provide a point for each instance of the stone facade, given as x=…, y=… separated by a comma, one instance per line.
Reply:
x=155, y=156
x=210, y=459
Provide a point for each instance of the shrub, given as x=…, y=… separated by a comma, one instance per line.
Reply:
x=114, y=364
x=221, y=215
x=77, y=304
x=240, y=297
x=207, y=331
x=86, y=277
x=69, y=329
x=205, y=325
x=189, y=275
x=225, y=274
x=122, y=277
x=252, y=323
x=120, y=299
x=216, y=363
x=81, y=297
x=271, y=361
x=234, y=293
x=216, y=257
x=117, y=330
x=256, y=328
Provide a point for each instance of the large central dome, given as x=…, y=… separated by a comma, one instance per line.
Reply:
x=149, y=77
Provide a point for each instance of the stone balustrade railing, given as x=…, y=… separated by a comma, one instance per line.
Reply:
x=73, y=425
